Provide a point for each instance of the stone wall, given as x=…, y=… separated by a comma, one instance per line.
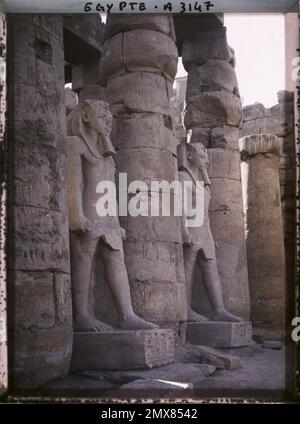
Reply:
x=39, y=292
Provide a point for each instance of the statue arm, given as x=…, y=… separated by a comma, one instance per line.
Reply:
x=75, y=185
x=186, y=235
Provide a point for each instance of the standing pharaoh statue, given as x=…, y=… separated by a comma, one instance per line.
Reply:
x=90, y=161
x=198, y=243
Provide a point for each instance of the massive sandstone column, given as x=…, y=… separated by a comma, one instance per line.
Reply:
x=264, y=233
x=214, y=114
x=39, y=295
x=138, y=65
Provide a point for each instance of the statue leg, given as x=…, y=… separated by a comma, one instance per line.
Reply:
x=117, y=278
x=82, y=258
x=213, y=287
x=190, y=264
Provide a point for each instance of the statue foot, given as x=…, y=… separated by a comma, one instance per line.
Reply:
x=88, y=324
x=194, y=317
x=134, y=322
x=225, y=316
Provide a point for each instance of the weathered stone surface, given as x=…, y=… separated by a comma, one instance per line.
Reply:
x=225, y=137
x=152, y=229
x=224, y=163
x=193, y=354
x=265, y=244
x=85, y=74
x=151, y=93
x=151, y=164
x=213, y=109
x=220, y=334
x=213, y=75
x=123, y=23
x=260, y=120
x=33, y=302
x=211, y=45
x=156, y=261
x=63, y=301
x=125, y=52
x=200, y=135
x=40, y=177
x=37, y=116
x=71, y=100
x=226, y=195
x=40, y=356
x=274, y=345
x=151, y=131
x=88, y=30
x=38, y=240
x=219, y=360
x=123, y=349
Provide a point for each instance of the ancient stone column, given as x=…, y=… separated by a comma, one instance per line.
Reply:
x=39, y=295
x=138, y=65
x=214, y=114
x=260, y=156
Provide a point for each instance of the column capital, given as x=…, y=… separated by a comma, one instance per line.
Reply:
x=255, y=144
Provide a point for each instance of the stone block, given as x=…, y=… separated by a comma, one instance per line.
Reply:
x=123, y=350
x=213, y=75
x=41, y=240
x=206, y=45
x=152, y=93
x=161, y=229
x=224, y=164
x=38, y=117
x=40, y=177
x=220, y=334
x=201, y=135
x=154, y=165
x=213, y=109
x=139, y=50
x=152, y=131
x=37, y=53
x=40, y=356
x=225, y=138
x=32, y=302
x=226, y=195
x=123, y=23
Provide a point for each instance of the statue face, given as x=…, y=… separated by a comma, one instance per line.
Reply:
x=198, y=156
x=100, y=118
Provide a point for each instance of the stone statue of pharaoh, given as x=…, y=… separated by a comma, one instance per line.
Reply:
x=90, y=161
x=198, y=243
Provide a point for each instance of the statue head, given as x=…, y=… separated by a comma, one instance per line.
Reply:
x=94, y=114
x=192, y=155
x=91, y=115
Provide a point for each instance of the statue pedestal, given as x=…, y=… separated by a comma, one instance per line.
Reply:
x=219, y=334
x=123, y=350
